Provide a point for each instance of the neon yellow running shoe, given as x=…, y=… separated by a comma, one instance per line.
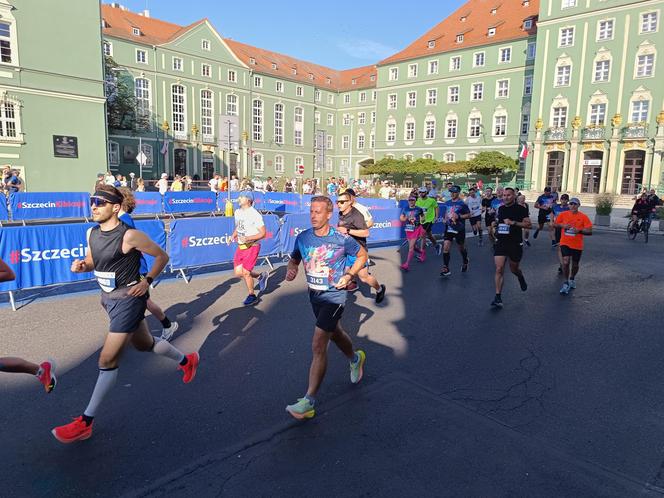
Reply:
x=357, y=368
x=302, y=409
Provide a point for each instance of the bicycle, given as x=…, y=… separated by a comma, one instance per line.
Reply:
x=640, y=225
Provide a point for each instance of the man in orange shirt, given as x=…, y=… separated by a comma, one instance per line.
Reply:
x=574, y=225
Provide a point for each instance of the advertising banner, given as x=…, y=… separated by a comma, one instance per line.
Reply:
x=386, y=227
x=375, y=203
x=271, y=244
x=282, y=202
x=4, y=214
x=293, y=225
x=190, y=202
x=221, y=201
x=155, y=230
x=45, y=205
x=148, y=203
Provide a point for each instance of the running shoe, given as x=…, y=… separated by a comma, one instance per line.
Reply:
x=572, y=284
x=445, y=272
x=380, y=295
x=464, y=266
x=564, y=290
x=167, y=332
x=522, y=283
x=77, y=430
x=560, y=270
x=475, y=232
x=528, y=243
x=536, y=234
x=554, y=243
x=251, y=300
x=497, y=302
x=46, y=375
x=189, y=368
x=262, y=281
x=357, y=367
x=439, y=249
x=405, y=267
x=301, y=409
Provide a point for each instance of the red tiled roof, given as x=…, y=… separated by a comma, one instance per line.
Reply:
x=155, y=32
x=508, y=21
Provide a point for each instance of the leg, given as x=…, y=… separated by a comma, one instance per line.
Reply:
x=318, y=366
x=514, y=268
x=462, y=250
x=368, y=279
x=343, y=341
x=156, y=310
x=575, y=266
x=566, y=267
x=446, y=252
x=500, y=271
x=248, y=278
x=18, y=365
x=411, y=250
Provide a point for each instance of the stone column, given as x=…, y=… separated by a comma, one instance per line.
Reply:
x=610, y=177
x=536, y=166
x=569, y=179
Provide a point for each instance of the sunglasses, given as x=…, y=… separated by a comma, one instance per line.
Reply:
x=573, y=203
x=342, y=202
x=96, y=202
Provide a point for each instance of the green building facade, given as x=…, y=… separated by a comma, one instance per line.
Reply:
x=52, y=118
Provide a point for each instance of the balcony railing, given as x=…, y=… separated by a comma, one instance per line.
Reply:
x=555, y=134
x=635, y=131
x=208, y=139
x=180, y=135
x=593, y=133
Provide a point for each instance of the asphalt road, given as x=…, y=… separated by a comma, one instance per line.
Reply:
x=552, y=396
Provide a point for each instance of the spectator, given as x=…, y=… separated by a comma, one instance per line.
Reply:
x=177, y=186
x=117, y=183
x=162, y=184
x=331, y=187
x=101, y=180
x=214, y=183
x=235, y=184
x=223, y=184
x=109, y=178
x=13, y=183
x=132, y=181
x=288, y=186
x=385, y=191
x=269, y=187
x=188, y=182
x=140, y=185
x=307, y=188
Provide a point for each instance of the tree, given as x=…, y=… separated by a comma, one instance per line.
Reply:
x=493, y=163
x=454, y=168
x=120, y=98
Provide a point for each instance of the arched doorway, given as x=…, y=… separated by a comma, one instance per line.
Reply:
x=180, y=162
x=592, y=172
x=633, y=171
x=554, y=170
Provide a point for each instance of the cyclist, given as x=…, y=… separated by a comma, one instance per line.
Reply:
x=642, y=209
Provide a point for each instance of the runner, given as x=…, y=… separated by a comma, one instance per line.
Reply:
x=249, y=229
x=128, y=205
x=351, y=222
x=456, y=214
x=489, y=213
x=45, y=372
x=556, y=210
x=511, y=219
x=413, y=217
x=575, y=225
x=114, y=253
x=368, y=220
x=544, y=203
x=324, y=251
x=430, y=208
x=474, y=203
x=521, y=201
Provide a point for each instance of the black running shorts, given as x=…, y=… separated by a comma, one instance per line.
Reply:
x=125, y=312
x=460, y=237
x=488, y=219
x=511, y=250
x=476, y=220
x=575, y=254
x=427, y=227
x=327, y=315
x=542, y=217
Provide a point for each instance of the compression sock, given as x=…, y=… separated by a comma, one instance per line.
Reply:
x=105, y=382
x=464, y=254
x=166, y=323
x=446, y=258
x=165, y=348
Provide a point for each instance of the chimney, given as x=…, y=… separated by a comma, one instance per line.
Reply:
x=115, y=5
x=146, y=13
x=122, y=7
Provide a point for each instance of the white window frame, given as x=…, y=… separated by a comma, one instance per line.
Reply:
x=432, y=96
x=451, y=128
x=525, y=124
x=567, y=4
x=474, y=127
x=409, y=131
x=205, y=66
x=299, y=91
x=528, y=85
x=257, y=120
x=258, y=81
x=141, y=59
x=531, y=50
x=347, y=98
x=177, y=64
x=330, y=119
x=644, y=21
x=391, y=101
x=411, y=99
x=503, y=88
x=500, y=120
x=11, y=39
x=345, y=142
x=595, y=117
x=107, y=48
x=502, y=57
x=143, y=96
x=362, y=97
x=361, y=141
x=562, y=79
x=559, y=116
x=391, y=132
x=453, y=97
x=362, y=118
x=528, y=24
x=640, y=66
x=205, y=45
x=257, y=163
x=279, y=86
x=279, y=168
x=373, y=117
x=412, y=70
x=605, y=29
x=601, y=74
x=449, y=157
x=279, y=123
x=231, y=76
x=393, y=74
x=455, y=63
x=299, y=161
x=231, y=104
x=473, y=91
x=566, y=36
x=298, y=126
x=479, y=59
x=179, y=108
x=207, y=115
x=430, y=129
x=113, y=153
x=433, y=67
x=636, y=118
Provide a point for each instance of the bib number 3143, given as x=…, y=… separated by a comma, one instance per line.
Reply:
x=503, y=229
x=318, y=281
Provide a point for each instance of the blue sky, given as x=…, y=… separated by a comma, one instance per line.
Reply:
x=340, y=34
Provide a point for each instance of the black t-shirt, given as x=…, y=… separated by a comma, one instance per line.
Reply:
x=486, y=203
x=514, y=213
x=354, y=221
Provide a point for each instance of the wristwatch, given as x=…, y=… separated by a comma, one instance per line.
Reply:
x=149, y=279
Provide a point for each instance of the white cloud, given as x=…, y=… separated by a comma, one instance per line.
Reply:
x=365, y=49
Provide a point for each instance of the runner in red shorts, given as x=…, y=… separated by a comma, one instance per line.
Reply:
x=412, y=217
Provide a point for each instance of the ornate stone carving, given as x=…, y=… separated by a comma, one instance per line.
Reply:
x=616, y=120
x=576, y=122
x=660, y=118
x=539, y=124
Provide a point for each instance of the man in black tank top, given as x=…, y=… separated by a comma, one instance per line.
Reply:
x=114, y=254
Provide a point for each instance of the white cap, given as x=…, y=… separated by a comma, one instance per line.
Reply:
x=164, y=175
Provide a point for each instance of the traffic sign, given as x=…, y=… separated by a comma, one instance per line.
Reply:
x=142, y=158
x=300, y=169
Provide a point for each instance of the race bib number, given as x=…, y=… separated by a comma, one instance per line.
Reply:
x=570, y=232
x=318, y=281
x=451, y=229
x=410, y=227
x=106, y=280
x=503, y=229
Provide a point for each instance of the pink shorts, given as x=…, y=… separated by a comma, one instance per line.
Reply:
x=416, y=234
x=247, y=257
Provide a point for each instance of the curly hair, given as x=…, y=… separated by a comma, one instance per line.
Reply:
x=128, y=200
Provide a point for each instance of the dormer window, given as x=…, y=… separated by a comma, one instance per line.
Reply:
x=494, y=12
x=353, y=81
x=274, y=66
x=463, y=18
x=252, y=61
x=328, y=81
x=372, y=77
x=136, y=31
x=528, y=24
x=459, y=38
x=205, y=45
x=104, y=24
x=432, y=43
x=294, y=71
x=491, y=32
x=526, y=3
x=311, y=76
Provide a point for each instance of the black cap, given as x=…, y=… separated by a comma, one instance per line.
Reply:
x=350, y=191
x=547, y=189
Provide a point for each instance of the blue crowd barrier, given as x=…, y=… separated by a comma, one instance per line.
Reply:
x=293, y=225
x=4, y=213
x=221, y=200
x=280, y=202
x=49, y=205
x=386, y=227
x=148, y=203
x=375, y=204
x=190, y=202
x=156, y=231
x=270, y=245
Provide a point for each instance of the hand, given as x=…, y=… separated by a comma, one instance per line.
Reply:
x=508, y=221
x=343, y=281
x=78, y=266
x=291, y=273
x=139, y=289
x=342, y=230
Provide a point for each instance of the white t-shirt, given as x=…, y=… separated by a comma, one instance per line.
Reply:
x=248, y=221
x=384, y=192
x=475, y=205
x=366, y=214
x=235, y=185
x=213, y=184
x=306, y=188
x=163, y=185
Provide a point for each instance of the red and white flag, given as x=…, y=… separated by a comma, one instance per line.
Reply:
x=523, y=151
x=164, y=148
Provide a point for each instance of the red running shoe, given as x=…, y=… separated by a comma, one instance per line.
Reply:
x=77, y=430
x=190, y=368
x=47, y=376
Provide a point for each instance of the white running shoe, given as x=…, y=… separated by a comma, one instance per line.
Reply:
x=167, y=333
x=262, y=281
x=572, y=284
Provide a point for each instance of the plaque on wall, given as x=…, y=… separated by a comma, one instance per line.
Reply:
x=65, y=146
